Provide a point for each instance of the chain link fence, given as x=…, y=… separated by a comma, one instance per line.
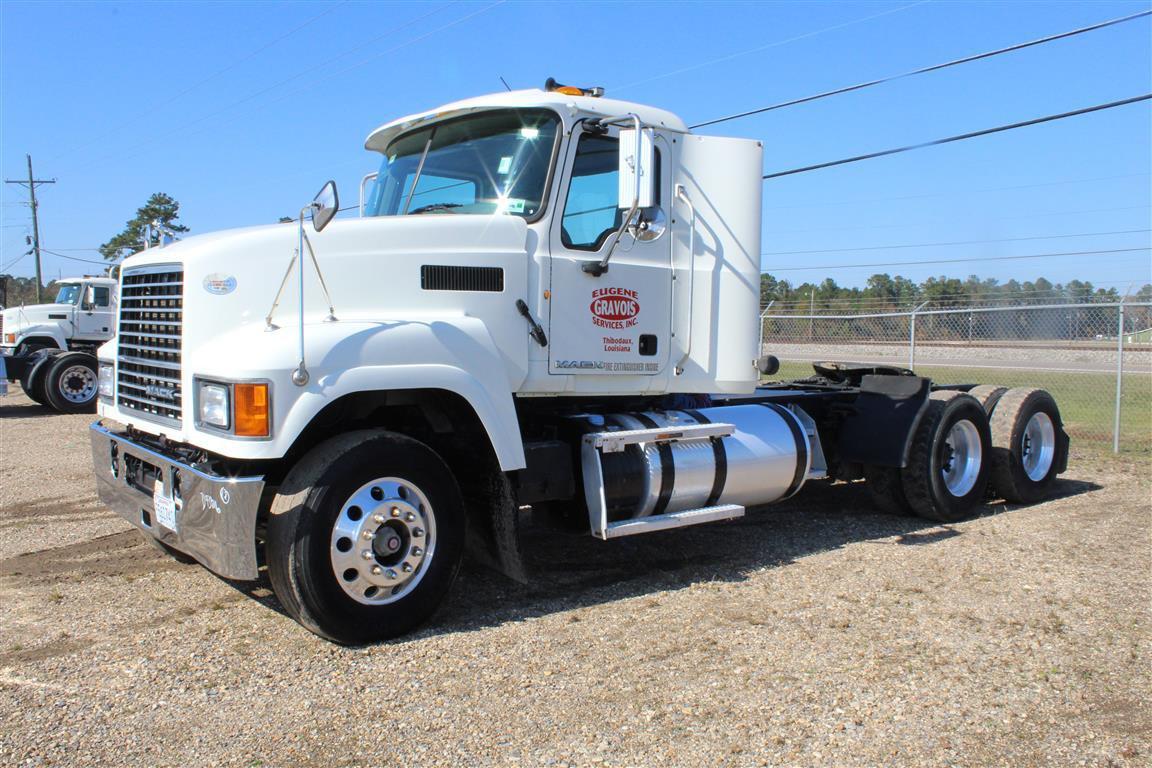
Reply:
x=1095, y=359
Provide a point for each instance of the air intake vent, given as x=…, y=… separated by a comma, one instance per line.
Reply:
x=151, y=324
x=445, y=278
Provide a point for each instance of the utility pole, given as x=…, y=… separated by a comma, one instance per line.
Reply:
x=31, y=184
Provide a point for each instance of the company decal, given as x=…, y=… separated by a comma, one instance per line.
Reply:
x=219, y=284
x=615, y=308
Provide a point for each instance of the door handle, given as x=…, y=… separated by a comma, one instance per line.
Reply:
x=536, y=331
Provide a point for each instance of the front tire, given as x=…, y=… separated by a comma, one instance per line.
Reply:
x=365, y=537
x=33, y=381
x=71, y=383
x=948, y=465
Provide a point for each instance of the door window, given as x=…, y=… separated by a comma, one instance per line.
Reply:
x=590, y=212
x=100, y=296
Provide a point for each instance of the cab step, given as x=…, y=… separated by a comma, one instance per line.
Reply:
x=671, y=520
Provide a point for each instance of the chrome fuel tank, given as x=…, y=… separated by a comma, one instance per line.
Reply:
x=765, y=459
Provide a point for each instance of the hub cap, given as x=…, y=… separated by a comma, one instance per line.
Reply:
x=963, y=455
x=383, y=541
x=1038, y=446
x=78, y=384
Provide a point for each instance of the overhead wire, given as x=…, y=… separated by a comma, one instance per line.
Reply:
x=957, y=261
x=923, y=70
x=958, y=242
x=961, y=137
x=774, y=44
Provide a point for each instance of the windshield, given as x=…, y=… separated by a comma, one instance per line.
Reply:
x=69, y=294
x=496, y=162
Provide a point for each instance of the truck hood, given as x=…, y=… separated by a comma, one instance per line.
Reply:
x=17, y=318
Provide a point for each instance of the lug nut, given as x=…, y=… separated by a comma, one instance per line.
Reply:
x=368, y=535
x=406, y=567
x=418, y=532
x=377, y=570
x=409, y=517
x=395, y=511
x=417, y=551
x=367, y=555
x=392, y=574
x=378, y=519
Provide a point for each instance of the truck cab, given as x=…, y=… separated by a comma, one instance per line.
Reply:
x=550, y=298
x=82, y=316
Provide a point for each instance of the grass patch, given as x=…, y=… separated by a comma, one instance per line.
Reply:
x=1087, y=400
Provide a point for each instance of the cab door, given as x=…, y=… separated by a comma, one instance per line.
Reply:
x=94, y=313
x=618, y=322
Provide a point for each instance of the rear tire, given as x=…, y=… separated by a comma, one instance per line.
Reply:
x=1029, y=447
x=365, y=536
x=886, y=490
x=988, y=395
x=948, y=464
x=71, y=383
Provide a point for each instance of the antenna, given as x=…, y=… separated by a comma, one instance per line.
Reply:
x=505, y=82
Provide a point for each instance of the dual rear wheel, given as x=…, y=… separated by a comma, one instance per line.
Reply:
x=1012, y=439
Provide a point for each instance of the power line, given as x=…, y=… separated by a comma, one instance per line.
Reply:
x=961, y=137
x=775, y=44
x=75, y=258
x=957, y=261
x=922, y=70
x=958, y=242
x=824, y=204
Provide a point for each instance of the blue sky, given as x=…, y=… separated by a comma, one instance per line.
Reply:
x=242, y=110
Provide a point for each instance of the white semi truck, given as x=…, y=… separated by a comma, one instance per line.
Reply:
x=549, y=300
x=51, y=348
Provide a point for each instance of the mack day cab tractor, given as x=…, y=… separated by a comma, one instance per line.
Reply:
x=51, y=348
x=550, y=299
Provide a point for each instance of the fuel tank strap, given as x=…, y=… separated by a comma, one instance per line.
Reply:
x=667, y=468
x=719, y=456
x=801, y=447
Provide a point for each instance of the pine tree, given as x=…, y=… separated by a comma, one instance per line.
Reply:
x=160, y=207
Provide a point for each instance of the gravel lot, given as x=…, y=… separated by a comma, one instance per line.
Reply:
x=816, y=633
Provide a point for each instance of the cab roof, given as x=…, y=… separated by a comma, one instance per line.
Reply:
x=582, y=105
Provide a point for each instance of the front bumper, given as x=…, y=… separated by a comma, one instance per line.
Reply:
x=209, y=517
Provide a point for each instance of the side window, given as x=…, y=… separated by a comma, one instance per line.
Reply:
x=100, y=296
x=590, y=212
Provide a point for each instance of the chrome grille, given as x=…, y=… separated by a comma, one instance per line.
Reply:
x=148, y=362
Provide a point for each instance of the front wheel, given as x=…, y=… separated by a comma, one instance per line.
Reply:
x=365, y=536
x=71, y=383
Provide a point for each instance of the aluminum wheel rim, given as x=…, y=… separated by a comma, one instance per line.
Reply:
x=1038, y=446
x=383, y=541
x=963, y=454
x=78, y=384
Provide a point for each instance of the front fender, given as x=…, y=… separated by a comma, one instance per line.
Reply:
x=42, y=331
x=454, y=354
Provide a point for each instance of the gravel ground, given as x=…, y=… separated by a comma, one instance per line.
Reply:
x=815, y=633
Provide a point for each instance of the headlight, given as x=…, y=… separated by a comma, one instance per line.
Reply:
x=215, y=410
x=106, y=380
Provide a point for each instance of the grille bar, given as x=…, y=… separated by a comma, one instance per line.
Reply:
x=150, y=342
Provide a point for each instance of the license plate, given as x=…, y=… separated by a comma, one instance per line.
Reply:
x=164, y=507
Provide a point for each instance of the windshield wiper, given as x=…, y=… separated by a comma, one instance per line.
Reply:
x=435, y=207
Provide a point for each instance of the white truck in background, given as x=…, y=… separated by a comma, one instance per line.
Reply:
x=549, y=300
x=51, y=348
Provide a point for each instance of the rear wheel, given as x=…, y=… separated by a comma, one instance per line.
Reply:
x=988, y=395
x=365, y=536
x=886, y=490
x=948, y=465
x=1029, y=447
x=71, y=383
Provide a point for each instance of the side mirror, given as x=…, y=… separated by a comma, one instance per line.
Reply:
x=636, y=169
x=89, y=300
x=324, y=206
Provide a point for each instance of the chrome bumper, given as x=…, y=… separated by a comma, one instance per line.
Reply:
x=212, y=518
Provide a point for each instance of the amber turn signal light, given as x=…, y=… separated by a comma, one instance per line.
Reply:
x=252, y=411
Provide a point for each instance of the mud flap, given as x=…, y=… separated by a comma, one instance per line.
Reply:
x=494, y=531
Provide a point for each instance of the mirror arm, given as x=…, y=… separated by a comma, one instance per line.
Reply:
x=597, y=268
